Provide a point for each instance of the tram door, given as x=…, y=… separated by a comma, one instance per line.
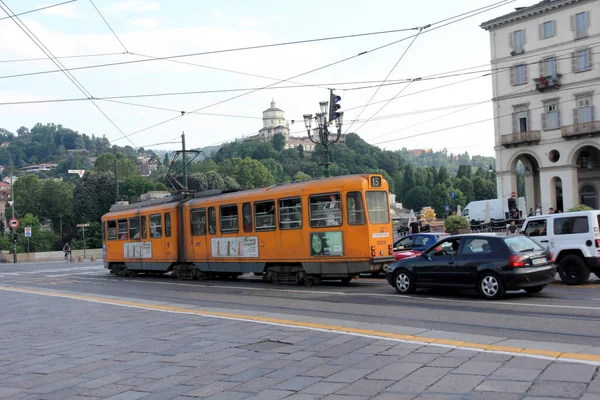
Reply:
x=198, y=240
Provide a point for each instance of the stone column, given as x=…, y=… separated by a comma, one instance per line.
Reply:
x=506, y=182
x=570, y=187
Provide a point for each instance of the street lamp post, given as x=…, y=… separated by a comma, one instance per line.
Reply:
x=320, y=135
x=12, y=196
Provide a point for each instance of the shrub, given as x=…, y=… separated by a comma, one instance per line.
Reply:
x=456, y=222
x=581, y=207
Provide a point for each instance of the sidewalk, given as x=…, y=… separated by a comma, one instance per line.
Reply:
x=59, y=348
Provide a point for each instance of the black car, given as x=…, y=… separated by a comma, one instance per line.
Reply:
x=492, y=263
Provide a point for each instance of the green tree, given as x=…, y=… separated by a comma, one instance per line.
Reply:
x=125, y=166
x=278, y=142
x=466, y=187
x=93, y=237
x=27, y=194
x=443, y=175
x=57, y=203
x=138, y=185
x=440, y=198
x=301, y=176
x=247, y=172
x=417, y=198
x=93, y=194
x=276, y=169
x=39, y=240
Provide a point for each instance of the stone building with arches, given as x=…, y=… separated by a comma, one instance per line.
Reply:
x=545, y=86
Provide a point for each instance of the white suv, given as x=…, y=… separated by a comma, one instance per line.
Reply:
x=574, y=240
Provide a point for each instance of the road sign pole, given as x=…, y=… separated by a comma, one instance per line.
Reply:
x=27, y=248
x=84, y=243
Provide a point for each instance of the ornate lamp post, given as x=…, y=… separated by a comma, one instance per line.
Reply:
x=320, y=135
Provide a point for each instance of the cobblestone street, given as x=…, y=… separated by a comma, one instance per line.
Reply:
x=56, y=348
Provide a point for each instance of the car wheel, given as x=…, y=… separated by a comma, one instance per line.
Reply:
x=491, y=286
x=403, y=282
x=573, y=271
x=535, y=289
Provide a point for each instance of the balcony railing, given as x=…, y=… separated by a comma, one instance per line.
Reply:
x=514, y=139
x=547, y=82
x=588, y=128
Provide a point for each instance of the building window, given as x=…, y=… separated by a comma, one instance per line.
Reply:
x=550, y=116
x=582, y=60
x=517, y=40
x=521, y=119
x=518, y=75
x=581, y=24
x=550, y=66
x=584, y=113
x=547, y=29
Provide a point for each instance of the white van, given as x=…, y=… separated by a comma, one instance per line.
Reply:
x=499, y=209
x=574, y=240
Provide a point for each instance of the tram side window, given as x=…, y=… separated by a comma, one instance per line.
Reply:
x=122, y=223
x=290, y=213
x=112, y=230
x=264, y=215
x=134, y=228
x=325, y=210
x=229, y=219
x=155, y=226
x=247, y=217
x=212, y=221
x=168, y=224
x=356, y=211
x=144, y=234
x=198, y=221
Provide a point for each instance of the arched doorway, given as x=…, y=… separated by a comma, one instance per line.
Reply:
x=526, y=170
x=587, y=162
x=589, y=196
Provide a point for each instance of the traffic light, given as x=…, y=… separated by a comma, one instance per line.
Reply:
x=15, y=240
x=334, y=99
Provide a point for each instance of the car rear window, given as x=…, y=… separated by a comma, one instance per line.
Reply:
x=520, y=244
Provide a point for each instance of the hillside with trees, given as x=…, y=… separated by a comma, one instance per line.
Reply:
x=61, y=200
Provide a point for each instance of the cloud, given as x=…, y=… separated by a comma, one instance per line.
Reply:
x=145, y=22
x=66, y=11
x=217, y=14
x=135, y=6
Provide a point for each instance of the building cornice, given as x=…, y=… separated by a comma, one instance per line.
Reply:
x=527, y=12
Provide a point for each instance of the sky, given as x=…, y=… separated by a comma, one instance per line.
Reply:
x=422, y=114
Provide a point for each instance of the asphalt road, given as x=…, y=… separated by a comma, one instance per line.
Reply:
x=560, y=313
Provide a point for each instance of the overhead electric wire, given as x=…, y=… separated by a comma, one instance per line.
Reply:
x=226, y=70
x=219, y=51
x=109, y=27
x=38, y=9
x=49, y=54
x=62, y=57
x=178, y=111
x=457, y=111
x=388, y=75
x=477, y=122
x=495, y=5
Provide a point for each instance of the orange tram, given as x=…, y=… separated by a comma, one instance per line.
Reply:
x=304, y=232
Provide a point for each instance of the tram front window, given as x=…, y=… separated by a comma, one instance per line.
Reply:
x=378, y=207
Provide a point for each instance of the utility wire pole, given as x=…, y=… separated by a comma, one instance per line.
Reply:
x=185, y=175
